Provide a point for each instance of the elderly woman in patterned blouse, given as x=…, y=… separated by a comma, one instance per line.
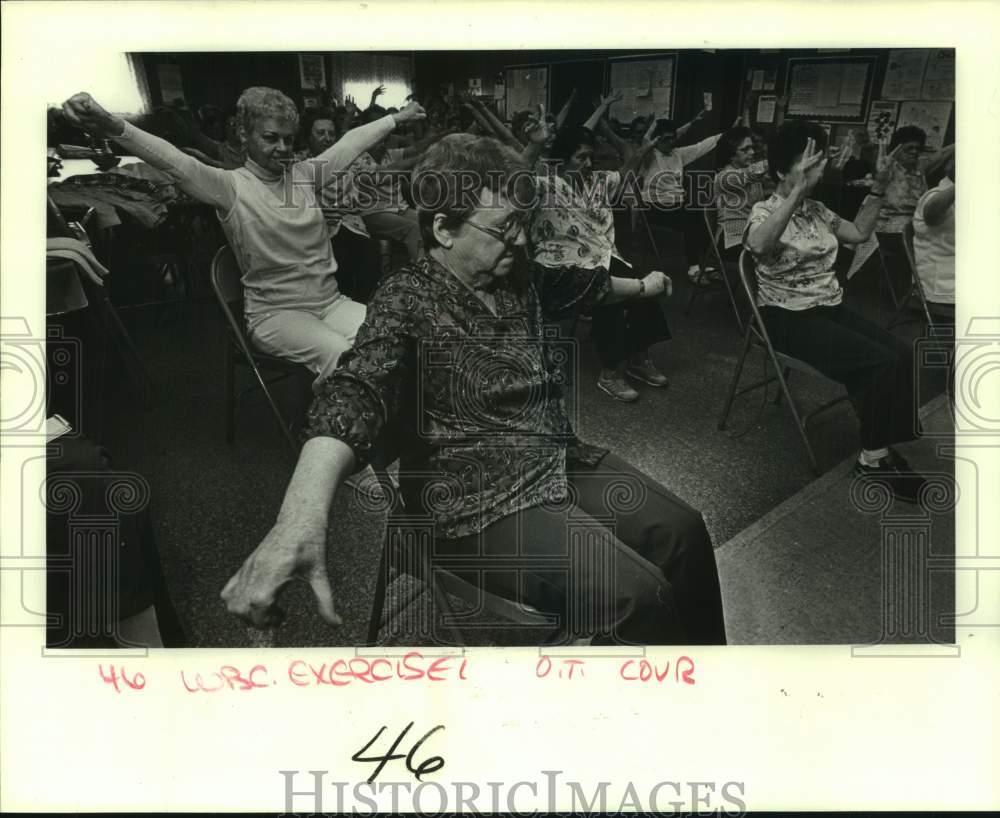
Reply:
x=453, y=359
x=794, y=240
x=740, y=183
x=574, y=228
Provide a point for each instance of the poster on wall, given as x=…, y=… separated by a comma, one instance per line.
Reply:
x=171, y=86
x=882, y=119
x=931, y=117
x=312, y=72
x=830, y=89
x=939, y=80
x=647, y=87
x=904, y=74
x=527, y=88
x=765, y=109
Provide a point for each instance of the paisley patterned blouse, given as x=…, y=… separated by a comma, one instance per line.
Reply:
x=471, y=397
x=798, y=273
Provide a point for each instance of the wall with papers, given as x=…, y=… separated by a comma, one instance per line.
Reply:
x=527, y=88
x=648, y=86
x=830, y=89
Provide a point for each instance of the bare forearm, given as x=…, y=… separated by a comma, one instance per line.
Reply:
x=591, y=124
x=620, y=145
x=323, y=465
x=867, y=217
x=502, y=131
x=765, y=236
x=622, y=289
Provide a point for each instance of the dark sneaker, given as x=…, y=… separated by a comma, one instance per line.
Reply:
x=618, y=389
x=646, y=372
x=895, y=474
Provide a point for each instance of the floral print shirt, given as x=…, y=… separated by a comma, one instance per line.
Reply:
x=468, y=398
x=798, y=273
x=735, y=191
x=902, y=193
x=575, y=227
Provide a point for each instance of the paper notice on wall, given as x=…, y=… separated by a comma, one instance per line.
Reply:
x=765, y=109
x=931, y=117
x=904, y=74
x=939, y=79
x=828, y=90
x=171, y=86
x=852, y=84
x=758, y=80
x=882, y=119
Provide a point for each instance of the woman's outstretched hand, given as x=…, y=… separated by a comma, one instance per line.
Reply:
x=84, y=112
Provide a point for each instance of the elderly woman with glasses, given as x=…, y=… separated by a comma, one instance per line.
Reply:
x=269, y=212
x=454, y=360
x=738, y=186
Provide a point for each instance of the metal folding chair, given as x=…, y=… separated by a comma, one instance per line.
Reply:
x=756, y=334
x=714, y=229
x=408, y=550
x=228, y=289
x=945, y=313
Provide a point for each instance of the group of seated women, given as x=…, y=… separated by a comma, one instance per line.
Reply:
x=449, y=358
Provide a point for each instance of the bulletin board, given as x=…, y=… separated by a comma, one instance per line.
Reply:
x=527, y=88
x=647, y=83
x=829, y=89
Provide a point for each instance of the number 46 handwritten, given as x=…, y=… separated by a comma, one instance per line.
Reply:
x=430, y=765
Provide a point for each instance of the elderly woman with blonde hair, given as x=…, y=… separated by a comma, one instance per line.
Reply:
x=269, y=212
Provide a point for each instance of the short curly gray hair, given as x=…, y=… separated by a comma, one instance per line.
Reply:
x=260, y=103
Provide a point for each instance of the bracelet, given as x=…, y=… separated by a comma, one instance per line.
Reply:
x=642, y=289
x=880, y=194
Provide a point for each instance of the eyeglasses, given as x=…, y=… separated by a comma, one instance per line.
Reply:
x=507, y=234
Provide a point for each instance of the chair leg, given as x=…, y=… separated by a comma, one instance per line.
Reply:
x=292, y=445
x=378, y=602
x=736, y=380
x=888, y=282
x=230, y=393
x=444, y=607
x=798, y=420
x=690, y=303
x=900, y=309
x=652, y=240
x=777, y=395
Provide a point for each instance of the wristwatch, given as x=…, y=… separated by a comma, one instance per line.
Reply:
x=642, y=288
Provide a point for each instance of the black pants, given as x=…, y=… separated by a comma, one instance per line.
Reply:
x=688, y=222
x=358, y=265
x=629, y=327
x=625, y=559
x=874, y=365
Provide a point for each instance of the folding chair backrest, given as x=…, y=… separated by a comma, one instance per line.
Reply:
x=748, y=282
x=228, y=288
x=714, y=230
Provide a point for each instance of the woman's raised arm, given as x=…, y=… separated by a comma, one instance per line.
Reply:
x=210, y=185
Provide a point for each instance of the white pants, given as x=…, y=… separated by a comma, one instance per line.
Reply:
x=316, y=340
